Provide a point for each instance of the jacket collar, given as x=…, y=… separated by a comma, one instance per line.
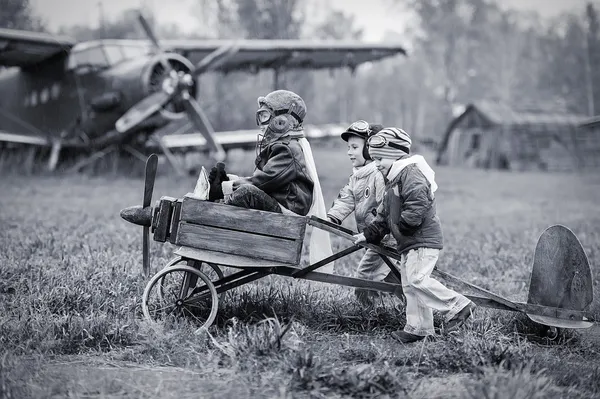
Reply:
x=364, y=170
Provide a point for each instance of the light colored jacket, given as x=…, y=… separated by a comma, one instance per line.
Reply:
x=362, y=194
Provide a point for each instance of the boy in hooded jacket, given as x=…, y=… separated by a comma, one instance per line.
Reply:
x=408, y=211
x=362, y=195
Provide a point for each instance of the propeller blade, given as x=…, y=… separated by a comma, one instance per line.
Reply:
x=151, y=165
x=216, y=58
x=142, y=110
x=146, y=251
x=150, y=33
x=203, y=125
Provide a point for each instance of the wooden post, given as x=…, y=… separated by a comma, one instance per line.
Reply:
x=276, y=79
x=30, y=159
x=54, y=153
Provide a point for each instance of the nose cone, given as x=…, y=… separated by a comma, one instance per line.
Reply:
x=138, y=215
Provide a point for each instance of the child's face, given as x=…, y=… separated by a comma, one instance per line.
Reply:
x=383, y=164
x=355, y=151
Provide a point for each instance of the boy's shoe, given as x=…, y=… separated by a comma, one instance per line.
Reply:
x=407, y=338
x=460, y=318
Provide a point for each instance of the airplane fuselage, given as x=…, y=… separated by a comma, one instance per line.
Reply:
x=37, y=99
x=81, y=95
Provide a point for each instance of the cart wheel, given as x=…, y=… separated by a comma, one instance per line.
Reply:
x=181, y=291
x=211, y=270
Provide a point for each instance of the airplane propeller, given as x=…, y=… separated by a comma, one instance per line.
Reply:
x=176, y=86
x=142, y=215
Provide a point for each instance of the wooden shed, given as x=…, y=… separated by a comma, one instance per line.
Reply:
x=493, y=135
x=588, y=143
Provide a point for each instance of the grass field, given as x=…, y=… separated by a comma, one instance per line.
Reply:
x=70, y=295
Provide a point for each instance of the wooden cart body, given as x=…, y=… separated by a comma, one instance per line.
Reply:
x=260, y=243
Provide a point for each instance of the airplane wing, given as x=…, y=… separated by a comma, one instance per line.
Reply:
x=23, y=139
x=23, y=48
x=252, y=55
x=181, y=141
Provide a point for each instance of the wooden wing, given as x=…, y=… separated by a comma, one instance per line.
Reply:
x=24, y=48
x=252, y=55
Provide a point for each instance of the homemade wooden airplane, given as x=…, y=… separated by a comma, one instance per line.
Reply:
x=105, y=96
x=261, y=243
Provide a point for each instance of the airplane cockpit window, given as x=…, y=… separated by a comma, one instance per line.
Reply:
x=114, y=54
x=89, y=58
x=104, y=55
x=119, y=52
x=133, y=51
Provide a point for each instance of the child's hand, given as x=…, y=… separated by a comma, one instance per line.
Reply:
x=359, y=238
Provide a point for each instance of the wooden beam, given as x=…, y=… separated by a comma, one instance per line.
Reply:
x=330, y=227
x=302, y=272
x=54, y=155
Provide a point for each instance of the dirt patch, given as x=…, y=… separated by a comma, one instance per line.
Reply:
x=448, y=387
x=95, y=377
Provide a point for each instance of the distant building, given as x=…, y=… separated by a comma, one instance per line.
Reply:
x=588, y=142
x=493, y=135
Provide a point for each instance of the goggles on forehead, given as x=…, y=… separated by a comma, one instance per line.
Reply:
x=377, y=141
x=360, y=127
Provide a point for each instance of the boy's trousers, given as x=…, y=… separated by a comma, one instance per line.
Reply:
x=372, y=267
x=424, y=293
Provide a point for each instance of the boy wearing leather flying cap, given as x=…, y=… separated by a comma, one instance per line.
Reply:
x=362, y=195
x=285, y=177
x=408, y=211
x=281, y=179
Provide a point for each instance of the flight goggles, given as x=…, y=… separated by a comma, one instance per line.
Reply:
x=378, y=141
x=264, y=115
x=360, y=127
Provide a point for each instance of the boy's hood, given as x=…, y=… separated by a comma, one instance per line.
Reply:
x=421, y=164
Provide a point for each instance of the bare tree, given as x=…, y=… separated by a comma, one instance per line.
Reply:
x=17, y=14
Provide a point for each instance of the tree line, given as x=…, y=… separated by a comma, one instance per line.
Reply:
x=461, y=51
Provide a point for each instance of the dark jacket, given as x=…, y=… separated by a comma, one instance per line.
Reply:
x=408, y=210
x=281, y=172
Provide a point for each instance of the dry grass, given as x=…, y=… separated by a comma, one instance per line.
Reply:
x=70, y=293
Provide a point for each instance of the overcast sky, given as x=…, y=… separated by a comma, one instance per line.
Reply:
x=374, y=16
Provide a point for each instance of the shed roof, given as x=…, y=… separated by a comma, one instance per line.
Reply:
x=593, y=121
x=503, y=114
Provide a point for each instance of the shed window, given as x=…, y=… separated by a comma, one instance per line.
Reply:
x=475, y=141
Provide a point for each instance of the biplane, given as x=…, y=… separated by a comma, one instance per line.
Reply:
x=102, y=96
x=211, y=235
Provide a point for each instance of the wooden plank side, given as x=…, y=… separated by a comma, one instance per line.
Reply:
x=164, y=220
x=224, y=259
x=175, y=221
x=239, y=243
x=242, y=219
